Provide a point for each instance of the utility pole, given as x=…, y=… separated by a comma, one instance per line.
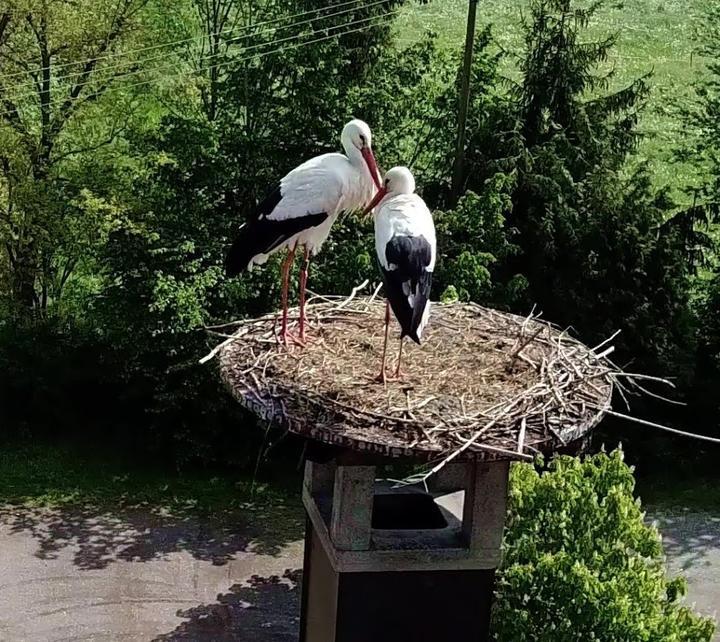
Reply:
x=464, y=101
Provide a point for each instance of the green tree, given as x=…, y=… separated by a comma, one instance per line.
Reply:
x=702, y=146
x=473, y=238
x=598, y=246
x=59, y=60
x=227, y=136
x=580, y=563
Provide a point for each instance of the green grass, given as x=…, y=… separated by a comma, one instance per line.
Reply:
x=653, y=36
x=61, y=478
x=699, y=493
x=51, y=476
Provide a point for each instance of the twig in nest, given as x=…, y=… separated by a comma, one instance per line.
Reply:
x=635, y=375
x=521, y=436
x=652, y=424
x=608, y=340
x=325, y=388
x=472, y=439
x=217, y=349
x=355, y=290
x=374, y=294
x=607, y=352
x=655, y=395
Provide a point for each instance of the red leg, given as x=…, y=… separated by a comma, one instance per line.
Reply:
x=303, y=283
x=286, y=265
x=398, y=372
x=381, y=377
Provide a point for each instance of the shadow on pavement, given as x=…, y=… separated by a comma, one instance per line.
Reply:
x=691, y=538
x=265, y=610
x=99, y=538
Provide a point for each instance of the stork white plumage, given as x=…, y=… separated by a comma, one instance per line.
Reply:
x=301, y=209
x=406, y=250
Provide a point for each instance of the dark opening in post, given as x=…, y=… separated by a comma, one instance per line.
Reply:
x=406, y=511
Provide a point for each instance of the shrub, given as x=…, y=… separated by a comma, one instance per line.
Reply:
x=581, y=563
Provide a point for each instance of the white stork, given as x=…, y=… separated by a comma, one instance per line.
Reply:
x=301, y=209
x=406, y=250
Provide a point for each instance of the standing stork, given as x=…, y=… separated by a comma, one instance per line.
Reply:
x=406, y=250
x=301, y=209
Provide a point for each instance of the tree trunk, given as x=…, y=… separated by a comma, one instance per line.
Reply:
x=23, y=279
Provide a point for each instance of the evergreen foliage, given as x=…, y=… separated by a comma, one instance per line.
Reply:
x=703, y=149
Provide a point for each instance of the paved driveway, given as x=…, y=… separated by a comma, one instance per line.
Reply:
x=692, y=545
x=79, y=575
x=83, y=575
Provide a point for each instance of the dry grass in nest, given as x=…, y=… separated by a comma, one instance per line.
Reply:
x=483, y=382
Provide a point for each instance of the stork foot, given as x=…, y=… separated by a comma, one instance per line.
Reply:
x=307, y=338
x=384, y=377
x=288, y=339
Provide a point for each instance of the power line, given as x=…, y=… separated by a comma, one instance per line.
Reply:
x=206, y=58
x=255, y=26
x=31, y=83
x=252, y=57
x=185, y=40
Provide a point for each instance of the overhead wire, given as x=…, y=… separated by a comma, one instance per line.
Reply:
x=104, y=70
x=612, y=25
x=163, y=56
x=238, y=60
x=135, y=72
x=184, y=40
x=238, y=35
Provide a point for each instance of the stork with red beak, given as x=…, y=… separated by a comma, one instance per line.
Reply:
x=406, y=250
x=300, y=210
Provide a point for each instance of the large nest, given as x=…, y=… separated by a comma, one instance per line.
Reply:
x=483, y=382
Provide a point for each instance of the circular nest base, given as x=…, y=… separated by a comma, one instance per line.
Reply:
x=483, y=383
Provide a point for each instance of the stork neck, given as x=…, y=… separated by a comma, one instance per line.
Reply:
x=360, y=165
x=356, y=157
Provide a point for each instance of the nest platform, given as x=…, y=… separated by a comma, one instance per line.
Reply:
x=483, y=384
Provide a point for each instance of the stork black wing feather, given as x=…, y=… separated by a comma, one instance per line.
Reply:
x=408, y=282
x=261, y=235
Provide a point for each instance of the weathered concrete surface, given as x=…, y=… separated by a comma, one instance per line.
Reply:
x=81, y=575
x=692, y=545
x=77, y=575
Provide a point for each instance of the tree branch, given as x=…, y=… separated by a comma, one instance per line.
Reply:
x=4, y=22
x=67, y=271
x=11, y=255
x=91, y=148
x=11, y=115
x=71, y=103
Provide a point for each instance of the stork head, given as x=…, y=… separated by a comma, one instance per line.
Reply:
x=356, y=137
x=398, y=180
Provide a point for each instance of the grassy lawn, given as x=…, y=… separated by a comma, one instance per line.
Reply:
x=60, y=477
x=654, y=36
x=52, y=476
x=695, y=494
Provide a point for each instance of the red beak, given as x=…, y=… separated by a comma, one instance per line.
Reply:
x=372, y=165
x=378, y=197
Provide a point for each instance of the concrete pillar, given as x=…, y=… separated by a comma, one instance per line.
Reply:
x=351, y=516
x=414, y=577
x=485, y=506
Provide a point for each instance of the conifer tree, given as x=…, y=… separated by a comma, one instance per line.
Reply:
x=599, y=245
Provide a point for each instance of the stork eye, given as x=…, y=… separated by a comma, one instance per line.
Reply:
x=362, y=139
x=387, y=182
